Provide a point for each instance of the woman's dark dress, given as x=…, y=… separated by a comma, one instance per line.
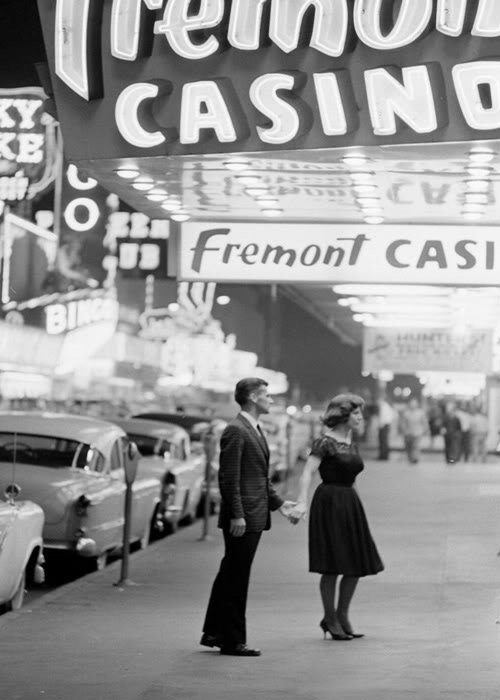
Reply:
x=339, y=537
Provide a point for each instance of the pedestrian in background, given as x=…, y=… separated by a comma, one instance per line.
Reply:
x=413, y=426
x=247, y=497
x=340, y=543
x=385, y=416
x=452, y=432
x=478, y=435
x=464, y=416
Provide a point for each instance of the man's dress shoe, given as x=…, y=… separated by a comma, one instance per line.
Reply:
x=209, y=640
x=240, y=650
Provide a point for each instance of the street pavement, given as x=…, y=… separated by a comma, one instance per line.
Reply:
x=430, y=619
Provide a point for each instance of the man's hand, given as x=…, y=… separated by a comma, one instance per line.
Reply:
x=298, y=513
x=237, y=527
x=287, y=508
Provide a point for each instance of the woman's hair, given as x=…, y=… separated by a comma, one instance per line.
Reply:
x=340, y=408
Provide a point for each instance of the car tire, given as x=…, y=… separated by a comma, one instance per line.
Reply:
x=17, y=599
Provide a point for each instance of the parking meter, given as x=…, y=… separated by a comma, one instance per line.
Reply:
x=130, y=461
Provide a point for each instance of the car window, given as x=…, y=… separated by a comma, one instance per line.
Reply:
x=149, y=445
x=47, y=451
x=116, y=462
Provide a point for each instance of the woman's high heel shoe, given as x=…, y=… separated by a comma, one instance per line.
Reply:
x=352, y=634
x=327, y=630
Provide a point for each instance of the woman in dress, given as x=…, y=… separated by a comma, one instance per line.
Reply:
x=340, y=543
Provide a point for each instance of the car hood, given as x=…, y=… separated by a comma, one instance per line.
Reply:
x=53, y=489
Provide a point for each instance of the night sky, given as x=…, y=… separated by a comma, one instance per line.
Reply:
x=21, y=43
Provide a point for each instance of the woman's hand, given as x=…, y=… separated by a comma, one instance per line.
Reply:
x=298, y=513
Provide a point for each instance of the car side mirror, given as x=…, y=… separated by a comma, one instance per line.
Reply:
x=12, y=492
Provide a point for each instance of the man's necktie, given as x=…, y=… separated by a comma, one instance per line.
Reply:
x=262, y=437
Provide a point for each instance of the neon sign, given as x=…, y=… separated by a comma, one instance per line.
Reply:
x=27, y=144
x=306, y=73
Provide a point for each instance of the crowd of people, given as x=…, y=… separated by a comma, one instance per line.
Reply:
x=460, y=427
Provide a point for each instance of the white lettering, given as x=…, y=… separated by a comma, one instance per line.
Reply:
x=126, y=25
x=215, y=114
x=26, y=110
x=92, y=214
x=329, y=30
x=413, y=18
x=176, y=25
x=244, y=24
x=30, y=148
x=126, y=115
x=5, y=150
x=76, y=182
x=263, y=94
x=412, y=101
x=331, y=109
x=467, y=78
x=72, y=20
x=6, y=121
x=75, y=314
x=487, y=22
x=450, y=16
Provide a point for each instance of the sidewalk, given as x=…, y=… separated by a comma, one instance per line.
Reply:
x=429, y=618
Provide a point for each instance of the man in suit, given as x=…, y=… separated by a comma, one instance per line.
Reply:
x=247, y=497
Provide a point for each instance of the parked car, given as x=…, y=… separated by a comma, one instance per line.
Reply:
x=166, y=452
x=205, y=435
x=73, y=467
x=195, y=425
x=21, y=547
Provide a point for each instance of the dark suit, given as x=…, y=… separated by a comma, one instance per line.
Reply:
x=246, y=492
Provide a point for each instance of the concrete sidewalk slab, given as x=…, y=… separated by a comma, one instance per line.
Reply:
x=429, y=618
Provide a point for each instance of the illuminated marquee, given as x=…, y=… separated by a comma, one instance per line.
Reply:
x=334, y=253
x=27, y=144
x=190, y=90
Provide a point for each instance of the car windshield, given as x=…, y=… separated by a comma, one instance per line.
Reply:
x=48, y=451
x=149, y=445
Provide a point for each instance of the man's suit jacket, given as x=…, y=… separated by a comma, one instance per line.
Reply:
x=246, y=491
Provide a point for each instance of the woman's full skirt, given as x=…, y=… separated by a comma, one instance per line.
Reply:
x=340, y=541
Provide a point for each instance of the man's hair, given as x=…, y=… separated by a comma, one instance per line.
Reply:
x=245, y=387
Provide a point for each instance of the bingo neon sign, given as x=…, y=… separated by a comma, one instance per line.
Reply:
x=396, y=97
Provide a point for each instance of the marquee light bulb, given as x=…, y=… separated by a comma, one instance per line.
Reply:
x=236, y=164
x=248, y=179
x=368, y=201
x=127, y=174
x=180, y=217
x=155, y=197
x=256, y=191
x=374, y=220
x=477, y=185
x=272, y=212
x=143, y=185
x=473, y=198
x=358, y=159
x=365, y=189
x=479, y=172
x=223, y=300
x=361, y=178
x=481, y=155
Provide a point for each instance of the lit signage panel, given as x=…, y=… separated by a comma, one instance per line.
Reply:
x=140, y=257
x=432, y=349
x=28, y=149
x=334, y=253
x=158, y=77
